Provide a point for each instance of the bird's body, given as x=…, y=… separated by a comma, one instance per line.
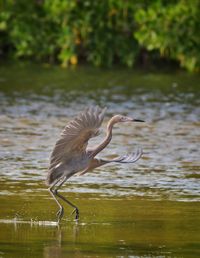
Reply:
x=68, y=167
x=72, y=155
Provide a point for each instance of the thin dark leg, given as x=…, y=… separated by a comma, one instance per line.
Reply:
x=68, y=202
x=65, y=200
x=54, y=193
x=60, y=212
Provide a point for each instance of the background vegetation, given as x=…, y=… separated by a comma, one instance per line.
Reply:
x=101, y=32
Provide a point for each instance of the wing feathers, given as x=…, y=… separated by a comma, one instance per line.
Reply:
x=76, y=134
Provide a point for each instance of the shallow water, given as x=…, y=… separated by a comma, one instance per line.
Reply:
x=147, y=209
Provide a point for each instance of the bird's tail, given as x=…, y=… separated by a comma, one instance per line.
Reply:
x=53, y=175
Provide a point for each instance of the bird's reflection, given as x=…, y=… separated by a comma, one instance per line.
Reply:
x=56, y=248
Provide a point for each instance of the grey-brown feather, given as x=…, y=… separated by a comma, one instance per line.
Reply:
x=72, y=144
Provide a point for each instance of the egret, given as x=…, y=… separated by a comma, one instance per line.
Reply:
x=71, y=154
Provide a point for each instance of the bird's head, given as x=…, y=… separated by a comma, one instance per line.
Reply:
x=121, y=118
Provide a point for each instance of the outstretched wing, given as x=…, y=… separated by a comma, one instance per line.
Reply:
x=129, y=158
x=75, y=136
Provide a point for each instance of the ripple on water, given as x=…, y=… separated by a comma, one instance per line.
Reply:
x=169, y=169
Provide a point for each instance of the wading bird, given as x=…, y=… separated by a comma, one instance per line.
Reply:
x=72, y=155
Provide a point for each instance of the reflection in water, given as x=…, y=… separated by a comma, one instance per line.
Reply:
x=55, y=248
x=138, y=229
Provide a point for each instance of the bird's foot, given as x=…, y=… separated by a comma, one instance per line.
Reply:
x=77, y=213
x=60, y=214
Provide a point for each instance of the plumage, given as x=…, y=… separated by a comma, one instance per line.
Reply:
x=71, y=154
x=74, y=139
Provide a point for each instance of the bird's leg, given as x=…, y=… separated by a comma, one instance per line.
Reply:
x=60, y=212
x=65, y=200
x=68, y=202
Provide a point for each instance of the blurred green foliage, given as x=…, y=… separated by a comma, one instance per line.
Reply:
x=173, y=30
x=102, y=32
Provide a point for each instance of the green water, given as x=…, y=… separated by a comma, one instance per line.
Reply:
x=147, y=209
x=109, y=227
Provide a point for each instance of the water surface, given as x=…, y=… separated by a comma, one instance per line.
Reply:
x=146, y=209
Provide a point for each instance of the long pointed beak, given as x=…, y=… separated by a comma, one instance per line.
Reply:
x=138, y=120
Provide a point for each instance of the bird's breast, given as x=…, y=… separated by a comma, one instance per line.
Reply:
x=78, y=163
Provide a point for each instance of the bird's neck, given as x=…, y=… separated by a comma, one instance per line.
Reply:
x=107, y=139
